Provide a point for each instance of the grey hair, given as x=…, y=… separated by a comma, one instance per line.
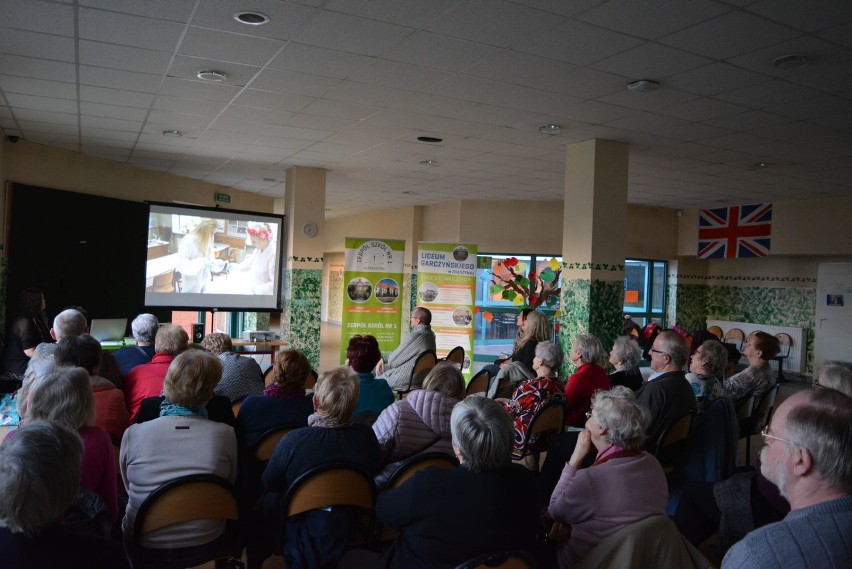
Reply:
x=40, y=470
x=144, y=327
x=336, y=394
x=716, y=356
x=588, y=347
x=836, y=375
x=550, y=354
x=675, y=346
x=64, y=397
x=69, y=322
x=822, y=425
x=445, y=378
x=483, y=433
x=627, y=351
x=624, y=418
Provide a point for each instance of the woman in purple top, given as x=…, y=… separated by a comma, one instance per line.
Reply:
x=623, y=486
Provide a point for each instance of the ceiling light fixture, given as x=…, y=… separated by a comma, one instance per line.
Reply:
x=251, y=18
x=758, y=166
x=429, y=139
x=210, y=75
x=429, y=162
x=408, y=193
x=172, y=133
x=642, y=86
x=551, y=128
x=791, y=62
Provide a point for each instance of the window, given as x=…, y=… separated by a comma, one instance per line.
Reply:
x=645, y=290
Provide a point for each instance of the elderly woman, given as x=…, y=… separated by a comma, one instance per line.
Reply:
x=180, y=442
x=362, y=355
x=623, y=485
x=532, y=395
x=283, y=402
x=760, y=348
x=421, y=422
x=435, y=511
x=586, y=352
x=241, y=375
x=39, y=478
x=624, y=356
x=65, y=397
x=330, y=435
x=144, y=328
x=835, y=375
x=706, y=370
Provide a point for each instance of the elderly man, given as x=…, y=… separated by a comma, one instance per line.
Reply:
x=144, y=328
x=667, y=394
x=146, y=380
x=69, y=322
x=808, y=445
x=397, y=367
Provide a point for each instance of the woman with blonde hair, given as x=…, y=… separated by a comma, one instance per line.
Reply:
x=421, y=422
x=195, y=256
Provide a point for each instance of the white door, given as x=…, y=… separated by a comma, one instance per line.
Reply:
x=833, y=333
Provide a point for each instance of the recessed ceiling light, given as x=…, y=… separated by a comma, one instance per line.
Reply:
x=758, y=166
x=251, y=18
x=642, y=86
x=408, y=193
x=210, y=75
x=172, y=133
x=429, y=139
x=791, y=62
x=429, y=162
x=552, y=128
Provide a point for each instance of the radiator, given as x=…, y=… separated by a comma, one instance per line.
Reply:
x=795, y=362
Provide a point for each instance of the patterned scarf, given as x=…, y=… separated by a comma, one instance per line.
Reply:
x=168, y=409
x=275, y=390
x=317, y=420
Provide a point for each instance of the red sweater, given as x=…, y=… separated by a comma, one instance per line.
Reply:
x=578, y=392
x=145, y=380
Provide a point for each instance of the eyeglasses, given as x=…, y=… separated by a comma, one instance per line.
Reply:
x=765, y=434
x=660, y=352
x=589, y=414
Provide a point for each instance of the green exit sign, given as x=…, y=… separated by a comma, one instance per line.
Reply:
x=224, y=198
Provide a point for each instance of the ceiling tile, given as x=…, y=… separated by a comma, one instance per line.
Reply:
x=38, y=68
x=318, y=61
x=224, y=46
x=34, y=15
x=135, y=31
x=115, y=96
x=651, y=61
x=32, y=44
x=492, y=22
x=292, y=82
x=652, y=19
x=126, y=58
x=285, y=18
x=37, y=87
x=349, y=33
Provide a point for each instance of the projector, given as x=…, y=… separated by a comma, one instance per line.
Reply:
x=259, y=335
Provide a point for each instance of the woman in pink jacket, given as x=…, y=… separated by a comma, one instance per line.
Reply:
x=421, y=422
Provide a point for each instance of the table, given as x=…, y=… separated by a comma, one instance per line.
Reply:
x=270, y=347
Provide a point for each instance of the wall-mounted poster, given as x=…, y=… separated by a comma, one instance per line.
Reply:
x=372, y=296
x=446, y=285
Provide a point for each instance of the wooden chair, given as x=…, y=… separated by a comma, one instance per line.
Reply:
x=235, y=406
x=418, y=462
x=786, y=342
x=268, y=441
x=764, y=403
x=501, y=386
x=716, y=331
x=186, y=499
x=479, y=383
x=422, y=365
x=267, y=375
x=735, y=336
x=456, y=356
x=512, y=559
x=672, y=441
x=550, y=419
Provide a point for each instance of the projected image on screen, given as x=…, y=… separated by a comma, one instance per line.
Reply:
x=210, y=258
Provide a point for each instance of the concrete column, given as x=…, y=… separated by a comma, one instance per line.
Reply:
x=593, y=242
x=302, y=291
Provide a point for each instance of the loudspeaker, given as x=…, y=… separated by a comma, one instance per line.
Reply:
x=197, y=333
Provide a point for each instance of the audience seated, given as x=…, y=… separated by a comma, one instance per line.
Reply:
x=760, y=348
x=625, y=356
x=586, y=352
x=330, y=436
x=519, y=366
x=110, y=411
x=69, y=322
x=39, y=476
x=835, y=375
x=144, y=329
x=182, y=441
x=397, y=367
x=146, y=380
x=421, y=422
x=27, y=330
x=706, y=372
x=65, y=397
x=808, y=445
x=375, y=393
x=241, y=375
x=533, y=395
x=446, y=516
x=622, y=486
x=283, y=402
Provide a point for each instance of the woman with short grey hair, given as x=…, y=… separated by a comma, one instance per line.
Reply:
x=586, y=354
x=624, y=484
x=707, y=371
x=482, y=434
x=625, y=356
x=835, y=375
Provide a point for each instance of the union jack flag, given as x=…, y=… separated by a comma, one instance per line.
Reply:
x=736, y=231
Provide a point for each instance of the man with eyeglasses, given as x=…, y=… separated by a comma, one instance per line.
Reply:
x=397, y=367
x=667, y=394
x=807, y=455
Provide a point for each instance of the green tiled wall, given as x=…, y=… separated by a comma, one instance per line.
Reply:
x=302, y=312
x=590, y=306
